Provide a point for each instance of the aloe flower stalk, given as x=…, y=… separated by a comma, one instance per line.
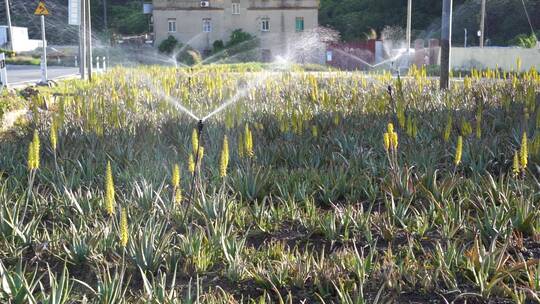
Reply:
x=109, y=191
x=224, y=160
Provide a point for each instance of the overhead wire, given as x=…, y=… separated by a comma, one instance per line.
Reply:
x=528, y=17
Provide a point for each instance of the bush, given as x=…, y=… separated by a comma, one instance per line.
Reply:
x=168, y=45
x=23, y=60
x=195, y=56
x=218, y=46
x=127, y=18
x=189, y=55
x=9, y=54
x=241, y=47
x=524, y=41
x=9, y=100
x=238, y=36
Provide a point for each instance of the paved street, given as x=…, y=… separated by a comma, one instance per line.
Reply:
x=27, y=74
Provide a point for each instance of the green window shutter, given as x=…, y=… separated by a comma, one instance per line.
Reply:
x=299, y=24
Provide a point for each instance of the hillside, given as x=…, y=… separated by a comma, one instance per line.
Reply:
x=124, y=16
x=505, y=18
x=354, y=19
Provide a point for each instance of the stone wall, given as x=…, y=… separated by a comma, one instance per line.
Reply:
x=504, y=58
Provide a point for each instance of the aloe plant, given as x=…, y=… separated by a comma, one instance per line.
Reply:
x=317, y=200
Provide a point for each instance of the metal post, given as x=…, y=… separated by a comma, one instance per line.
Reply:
x=465, y=40
x=446, y=43
x=10, y=29
x=105, y=22
x=3, y=71
x=82, y=40
x=409, y=24
x=106, y=28
x=89, y=38
x=44, y=56
x=482, y=22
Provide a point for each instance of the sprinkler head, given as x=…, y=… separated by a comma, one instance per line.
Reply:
x=200, y=125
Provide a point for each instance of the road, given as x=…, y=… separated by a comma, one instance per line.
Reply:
x=28, y=74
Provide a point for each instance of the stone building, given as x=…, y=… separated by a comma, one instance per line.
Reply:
x=277, y=23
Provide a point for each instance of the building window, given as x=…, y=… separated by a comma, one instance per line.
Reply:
x=172, y=25
x=236, y=8
x=207, y=25
x=265, y=24
x=299, y=24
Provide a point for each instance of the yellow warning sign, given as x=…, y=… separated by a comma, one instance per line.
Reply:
x=41, y=9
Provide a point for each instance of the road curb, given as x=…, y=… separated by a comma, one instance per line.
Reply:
x=24, y=84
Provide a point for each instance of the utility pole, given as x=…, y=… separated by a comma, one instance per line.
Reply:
x=105, y=23
x=89, y=38
x=409, y=24
x=465, y=40
x=44, y=78
x=107, y=38
x=10, y=29
x=446, y=43
x=482, y=22
x=82, y=40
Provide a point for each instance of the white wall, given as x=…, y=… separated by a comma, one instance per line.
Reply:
x=21, y=43
x=504, y=58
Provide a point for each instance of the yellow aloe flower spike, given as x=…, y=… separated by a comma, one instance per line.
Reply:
x=178, y=195
x=53, y=134
x=124, y=233
x=394, y=140
x=448, y=129
x=175, y=180
x=201, y=155
x=248, y=142
x=224, y=161
x=524, y=152
x=194, y=140
x=386, y=140
x=459, y=151
x=240, y=145
x=191, y=164
x=515, y=164
x=31, y=155
x=35, y=149
x=109, y=190
x=390, y=128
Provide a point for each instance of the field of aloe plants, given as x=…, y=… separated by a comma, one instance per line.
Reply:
x=309, y=187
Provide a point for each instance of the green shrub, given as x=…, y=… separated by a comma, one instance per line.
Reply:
x=188, y=55
x=218, y=46
x=9, y=54
x=238, y=36
x=23, y=60
x=524, y=41
x=9, y=100
x=241, y=47
x=168, y=45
